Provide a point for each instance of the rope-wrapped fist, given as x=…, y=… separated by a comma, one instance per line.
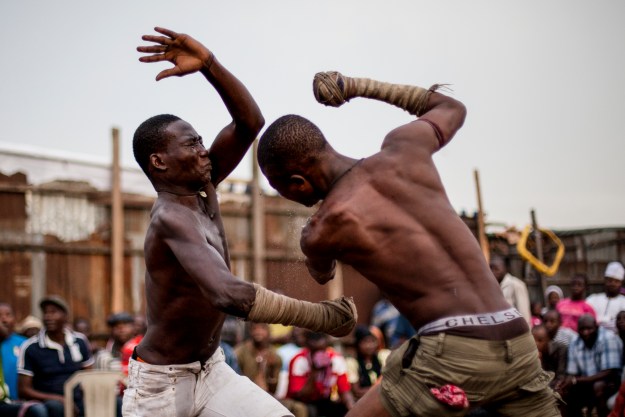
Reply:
x=329, y=88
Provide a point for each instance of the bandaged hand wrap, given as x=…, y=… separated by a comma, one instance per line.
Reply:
x=335, y=317
x=333, y=89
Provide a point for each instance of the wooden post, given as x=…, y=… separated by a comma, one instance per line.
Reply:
x=38, y=268
x=481, y=228
x=117, y=231
x=258, y=224
x=335, y=286
x=538, y=238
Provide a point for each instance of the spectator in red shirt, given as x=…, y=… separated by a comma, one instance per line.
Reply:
x=571, y=309
x=318, y=377
x=140, y=326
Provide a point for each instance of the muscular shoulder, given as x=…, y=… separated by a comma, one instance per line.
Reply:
x=327, y=229
x=404, y=161
x=417, y=136
x=169, y=219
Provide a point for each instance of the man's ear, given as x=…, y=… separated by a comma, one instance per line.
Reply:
x=301, y=185
x=157, y=162
x=298, y=181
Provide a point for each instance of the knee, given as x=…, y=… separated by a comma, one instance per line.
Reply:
x=36, y=410
x=54, y=408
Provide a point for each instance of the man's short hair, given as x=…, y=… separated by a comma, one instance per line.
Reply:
x=149, y=138
x=581, y=276
x=312, y=336
x=56, y=301
x=290, y=140
x=504, y=260
x=538, y=327
x=553, y=312
x=122, y=317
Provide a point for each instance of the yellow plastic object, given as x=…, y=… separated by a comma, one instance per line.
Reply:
x=521, y=247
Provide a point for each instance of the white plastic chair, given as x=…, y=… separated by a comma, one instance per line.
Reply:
x=100, y=389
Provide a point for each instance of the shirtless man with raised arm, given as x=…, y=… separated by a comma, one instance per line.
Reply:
x=178, y=369
x=388, y=216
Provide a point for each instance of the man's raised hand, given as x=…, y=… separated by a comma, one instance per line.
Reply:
x=187, y=54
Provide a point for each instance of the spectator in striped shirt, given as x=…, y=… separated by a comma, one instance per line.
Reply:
x=558, y=333
x=593, y=368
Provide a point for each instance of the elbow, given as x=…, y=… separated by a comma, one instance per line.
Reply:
x=460, y=111
x=25, y=393
x=249, y=125
x=321, y=277
x=260, y=122
x=320, y=280
x=235, y=299
x=254, y=124
x=457, y=115
x=321, y=273
x=228, y=306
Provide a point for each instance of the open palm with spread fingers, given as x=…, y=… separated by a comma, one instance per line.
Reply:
x=187, y=54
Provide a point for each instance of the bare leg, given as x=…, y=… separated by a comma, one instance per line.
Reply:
x=333, y=89
x=369, y=405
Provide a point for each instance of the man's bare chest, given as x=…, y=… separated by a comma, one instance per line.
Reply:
x=213, y=230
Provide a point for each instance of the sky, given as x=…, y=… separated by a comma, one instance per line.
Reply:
x=543, y=83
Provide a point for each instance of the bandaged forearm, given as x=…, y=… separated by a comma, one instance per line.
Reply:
x=333, y=89
x=335, y=317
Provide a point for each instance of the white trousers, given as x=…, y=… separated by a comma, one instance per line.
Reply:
x=190, y=390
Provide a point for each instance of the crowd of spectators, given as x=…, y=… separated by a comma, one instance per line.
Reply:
x=40, y=355
x=580, y=338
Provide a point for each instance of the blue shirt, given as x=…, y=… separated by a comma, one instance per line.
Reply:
x=51, y=364
x=383, y=317
x=10, y=353
x=402, y=331
x=605, y=354
x=230, y=357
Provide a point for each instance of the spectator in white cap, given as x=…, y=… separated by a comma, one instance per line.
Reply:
x=553, y=295
x=609, y=303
